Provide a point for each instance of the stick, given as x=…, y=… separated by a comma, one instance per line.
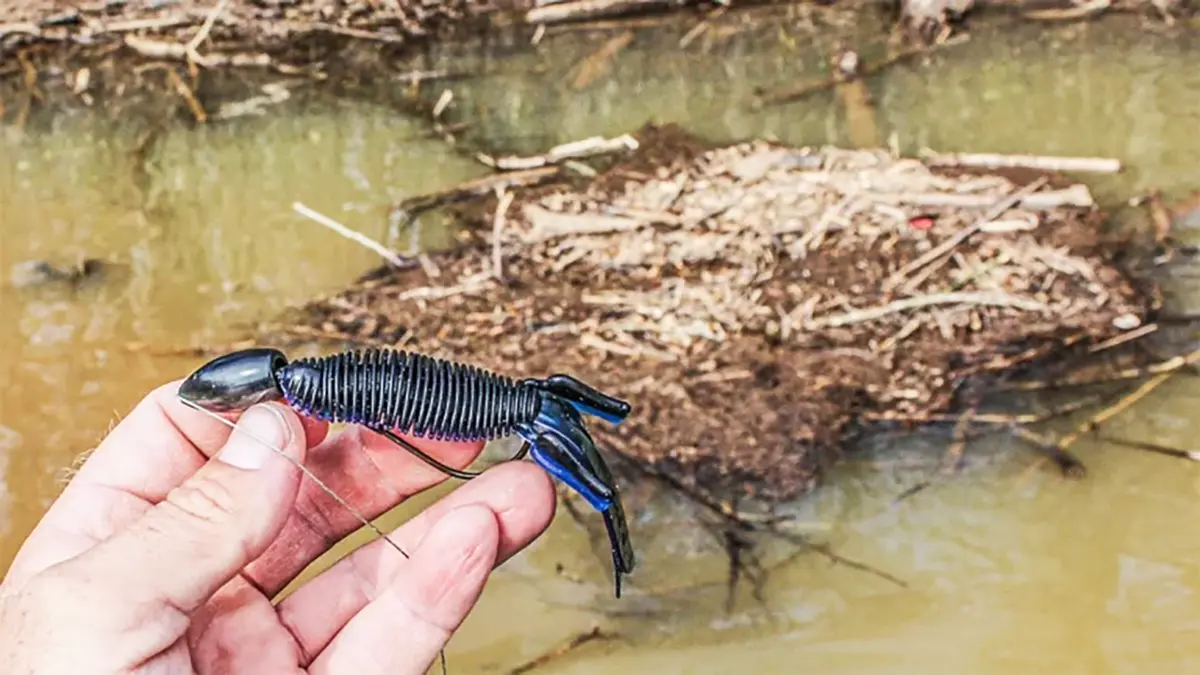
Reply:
x=202, y=34
x=26, y=28
x=412, y=206
x=1081, y=11
x=188, y=96
x=357, y=33
x=906, y=304
x=1068, y=464
x=1159, y=216
x=790, y=94
x=506, y=199
x=1101, y=378
x=147, y=24
x=562, y=650
x=588, y=147
x=1152, y=447
x=156, y=49
x=953, y=458
x=1076, y=195
x=1123, y=338
x=982, y=418
x=1116, y=409
x=1038, y=162
x=588, y=9
x=962, y=235
x=349, y=234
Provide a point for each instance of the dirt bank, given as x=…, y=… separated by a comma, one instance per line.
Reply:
x=754, y=302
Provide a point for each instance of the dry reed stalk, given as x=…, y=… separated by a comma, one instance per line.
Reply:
x=356, y=237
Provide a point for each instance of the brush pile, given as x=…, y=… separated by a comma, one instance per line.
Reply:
x=754, y=301
x=237, y=21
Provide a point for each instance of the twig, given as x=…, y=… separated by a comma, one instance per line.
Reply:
x=729, y=515
x=587, y=147
x=589, y=9
x=188, y=96
x=411, y=207
x=350, y=234
x=790, y=94
x=953, y=458
x=702, y=26
x=1068, y=464
x=23, y=27
x=357, y=33
x=202, y=34
x=1074, y=196
x=472, y=284
x=1082, y=11
x=562, y=650
x=148, y=24
x=596, y=342
x=1123, y=338
x=498, y=220
x=962, y=235
x=1117, y=408
x=1151, y=447
x=983, y=418
x=1159, y=216
x=1121, y=405
x=593, y=65
x=156, y=49
x=991, y=299
x=1080, y=380
x=1038, y=162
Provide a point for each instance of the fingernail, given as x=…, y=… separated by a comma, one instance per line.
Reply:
x=259, y=434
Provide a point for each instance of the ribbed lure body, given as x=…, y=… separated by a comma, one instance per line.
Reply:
x=396, y=390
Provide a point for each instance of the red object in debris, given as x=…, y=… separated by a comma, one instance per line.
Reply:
x=922, y=222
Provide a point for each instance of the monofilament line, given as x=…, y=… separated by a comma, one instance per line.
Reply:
x=320, y=483
x=305, y=470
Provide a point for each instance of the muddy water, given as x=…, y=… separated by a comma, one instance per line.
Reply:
x=1006, y=570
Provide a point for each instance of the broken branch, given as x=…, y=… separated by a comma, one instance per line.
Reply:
x=350, y=234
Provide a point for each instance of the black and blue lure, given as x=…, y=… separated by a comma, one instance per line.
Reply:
x=390, y=391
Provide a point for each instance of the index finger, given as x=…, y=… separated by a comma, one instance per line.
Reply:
x=150, y=452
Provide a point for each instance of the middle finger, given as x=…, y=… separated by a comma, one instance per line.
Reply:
x=368, y=471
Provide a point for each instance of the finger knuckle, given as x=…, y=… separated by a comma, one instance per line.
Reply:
x=205, y=500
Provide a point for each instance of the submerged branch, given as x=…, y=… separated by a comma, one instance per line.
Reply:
x=574, y=643
x=356, y=237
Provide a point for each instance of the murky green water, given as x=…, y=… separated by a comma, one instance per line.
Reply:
x=1007, y=572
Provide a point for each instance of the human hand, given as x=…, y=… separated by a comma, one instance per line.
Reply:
x=156, y=558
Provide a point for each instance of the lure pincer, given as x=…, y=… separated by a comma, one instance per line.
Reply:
x=391, y=392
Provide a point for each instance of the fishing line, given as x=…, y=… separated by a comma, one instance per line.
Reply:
x=320, y=483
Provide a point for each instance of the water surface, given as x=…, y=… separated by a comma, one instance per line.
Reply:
x=1008, y=571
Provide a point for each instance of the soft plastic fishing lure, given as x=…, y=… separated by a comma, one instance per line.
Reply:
x=391, y=391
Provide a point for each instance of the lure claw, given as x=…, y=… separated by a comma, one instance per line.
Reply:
x=562, y=446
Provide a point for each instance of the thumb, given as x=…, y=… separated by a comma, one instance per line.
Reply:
x=210, y=527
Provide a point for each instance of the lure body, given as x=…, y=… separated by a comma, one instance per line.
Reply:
x=392, y=391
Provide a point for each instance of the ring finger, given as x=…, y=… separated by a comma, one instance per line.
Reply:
x=519, y=494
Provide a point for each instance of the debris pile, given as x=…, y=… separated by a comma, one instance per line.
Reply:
x=754, y=301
